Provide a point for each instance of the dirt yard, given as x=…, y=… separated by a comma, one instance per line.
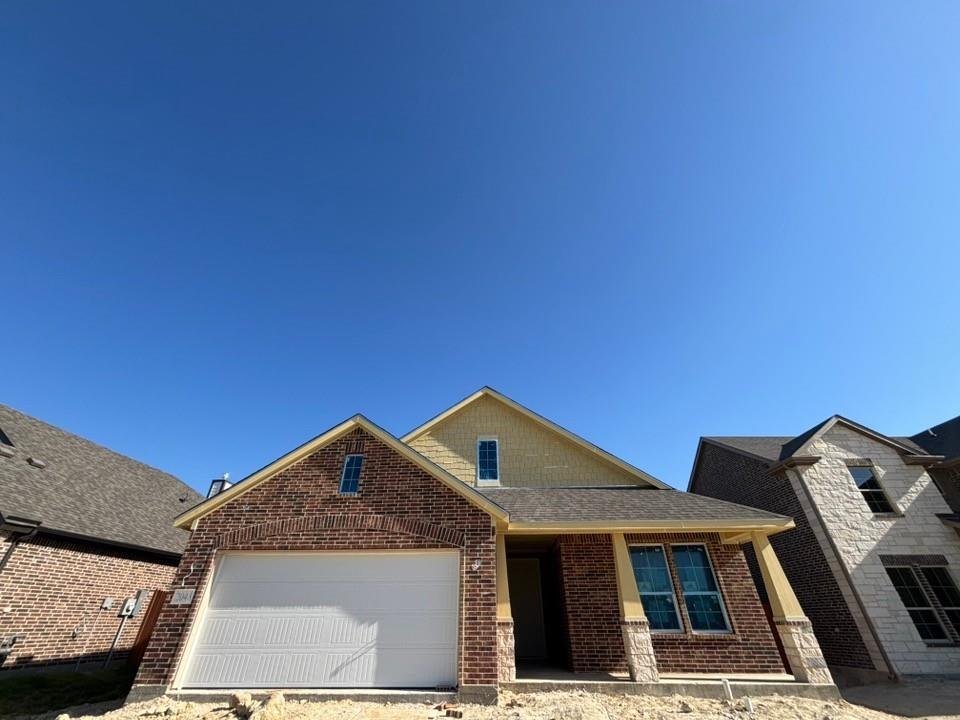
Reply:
x=575, y=705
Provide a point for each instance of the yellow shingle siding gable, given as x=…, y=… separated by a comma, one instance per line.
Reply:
x=531, y=455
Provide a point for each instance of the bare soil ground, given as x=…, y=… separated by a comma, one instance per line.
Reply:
x=575, y=705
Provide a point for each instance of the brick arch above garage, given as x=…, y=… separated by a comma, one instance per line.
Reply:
x=306, y=525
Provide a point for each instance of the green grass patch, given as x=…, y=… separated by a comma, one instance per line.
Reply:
x=35, y=693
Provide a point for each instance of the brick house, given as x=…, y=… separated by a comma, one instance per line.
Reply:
x=487, y=544
x=81, y=527
x=875, y=556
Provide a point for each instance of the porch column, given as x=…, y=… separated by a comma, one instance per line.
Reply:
x=633, y=621
x=506, y=653
x=799, y=642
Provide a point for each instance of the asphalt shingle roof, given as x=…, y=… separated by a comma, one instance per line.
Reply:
x=618, y=504
x=86, y=489
x=777, y=447
x=942, y=439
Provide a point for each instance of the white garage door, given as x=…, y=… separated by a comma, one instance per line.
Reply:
x=329, y=620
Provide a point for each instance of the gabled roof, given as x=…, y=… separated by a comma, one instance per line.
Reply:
x=628, y=507
x=186, y=519
x=84, y=489
x=540, y=420
x=942, y=439
x=777, y=448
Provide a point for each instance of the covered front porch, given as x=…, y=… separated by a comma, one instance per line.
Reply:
x=572, y=609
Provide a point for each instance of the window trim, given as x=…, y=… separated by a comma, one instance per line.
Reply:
x=716, y=581
x=894, y=508
x=343, y=473
x=488, y=482
x=681, y=629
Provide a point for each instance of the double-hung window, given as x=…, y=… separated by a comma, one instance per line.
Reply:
x=917, y=604
x=701, y=595
x=655, y=587
x=488, y=461
x=350, y=478
x=871, y=489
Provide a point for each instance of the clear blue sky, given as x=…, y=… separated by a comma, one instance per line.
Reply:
x=227, y=226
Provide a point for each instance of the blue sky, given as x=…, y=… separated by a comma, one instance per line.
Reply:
x=227, y=226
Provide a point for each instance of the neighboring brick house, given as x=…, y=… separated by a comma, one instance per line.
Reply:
x=874, y=558
x=78, y=524
x=487, y=542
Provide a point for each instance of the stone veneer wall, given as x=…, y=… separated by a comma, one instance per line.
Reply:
x=806, y=558
x=862, y=536
x=54, y=586
x=593, y=612
x=399, y=506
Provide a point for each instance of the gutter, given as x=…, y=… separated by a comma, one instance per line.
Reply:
x=20, y=529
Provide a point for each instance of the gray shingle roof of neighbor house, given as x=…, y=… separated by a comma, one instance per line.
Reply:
x=84, y=489
x=621, y=504
x=776, y=448
x=942, y=439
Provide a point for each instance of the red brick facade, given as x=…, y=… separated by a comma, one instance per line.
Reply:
x=399, y=506
x=728, y=475
x=593, y=614
x=54, y=588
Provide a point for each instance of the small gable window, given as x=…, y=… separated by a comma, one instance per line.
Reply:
x=488, y=461
x=871, y=490
x=350, y=478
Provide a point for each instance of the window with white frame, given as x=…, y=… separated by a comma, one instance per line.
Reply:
x=488, y=461
x=655, y=587
x=873, y=493
x=350, y=477
x=701, y=594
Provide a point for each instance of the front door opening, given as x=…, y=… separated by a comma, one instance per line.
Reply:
x=536, y=601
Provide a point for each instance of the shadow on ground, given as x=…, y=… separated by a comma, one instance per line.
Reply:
x=37, y=693
x=912, y=698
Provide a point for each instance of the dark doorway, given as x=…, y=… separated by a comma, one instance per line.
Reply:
x=536, y=601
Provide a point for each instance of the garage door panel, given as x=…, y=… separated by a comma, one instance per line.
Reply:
x=329, y=632
x=381, y=629
x=379, y=595
x=273, y=567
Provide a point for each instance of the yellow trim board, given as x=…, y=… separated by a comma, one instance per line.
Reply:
x=647, y=526
x=189, y=518
x=550, y=425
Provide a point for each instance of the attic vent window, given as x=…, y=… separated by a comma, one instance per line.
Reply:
x=36, y=462
x=4, y=440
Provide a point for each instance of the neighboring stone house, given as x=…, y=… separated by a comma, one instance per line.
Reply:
x=874, y=558
x=81, y=527
x=943, y=440
x=488, y=543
